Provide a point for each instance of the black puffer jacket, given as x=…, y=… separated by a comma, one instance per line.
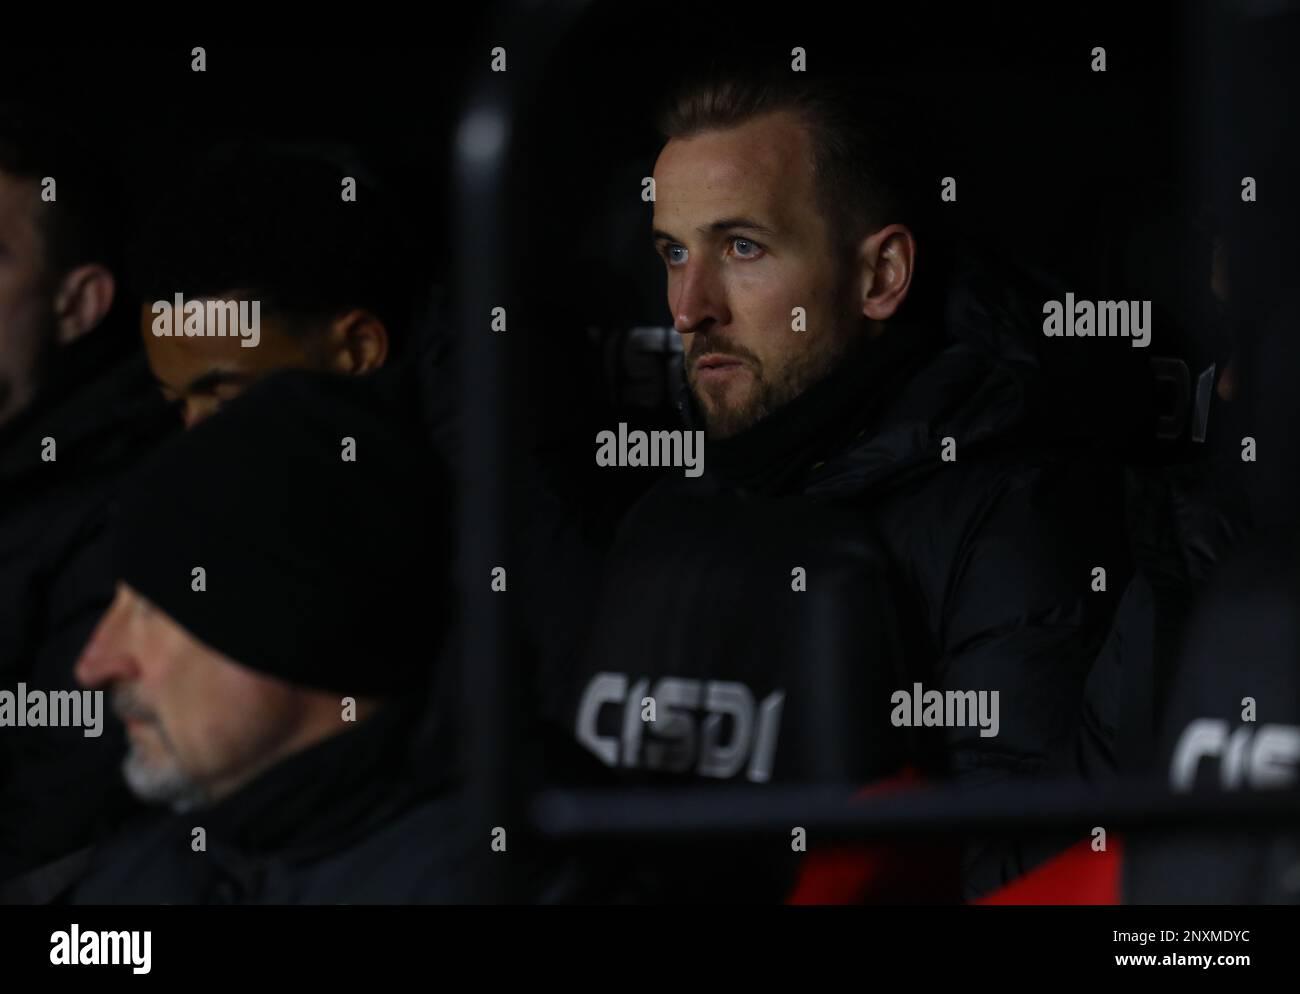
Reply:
x=973, y=573
x=341, y=822
x=1231, y=726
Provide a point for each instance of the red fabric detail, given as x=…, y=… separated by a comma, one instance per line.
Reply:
x=1076, y=876
x=880, y=872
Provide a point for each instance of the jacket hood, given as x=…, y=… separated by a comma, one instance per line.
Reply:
x=883, y=414
x=981, y=385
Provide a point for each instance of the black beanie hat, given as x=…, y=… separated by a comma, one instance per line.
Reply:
x=323, y=572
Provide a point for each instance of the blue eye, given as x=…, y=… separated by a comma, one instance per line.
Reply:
x=745, y=249
x=671, y=254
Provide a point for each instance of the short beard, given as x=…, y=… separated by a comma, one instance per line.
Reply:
x=768, y=394
x=156, y=781
x=162, y=783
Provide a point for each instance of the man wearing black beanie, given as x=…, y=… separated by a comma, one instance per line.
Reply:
x=271, y=649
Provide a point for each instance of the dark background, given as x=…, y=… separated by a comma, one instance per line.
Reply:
x=1115, y=181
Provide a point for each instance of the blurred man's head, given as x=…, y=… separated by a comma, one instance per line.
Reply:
x=263, y=580
x=272, y=227
x=56, y=252
x=200, y=724
x=772, y=196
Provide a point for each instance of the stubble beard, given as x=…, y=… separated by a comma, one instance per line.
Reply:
x=768, y=392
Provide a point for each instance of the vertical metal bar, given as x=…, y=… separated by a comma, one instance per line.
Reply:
x=484, y=145
x=481, y=148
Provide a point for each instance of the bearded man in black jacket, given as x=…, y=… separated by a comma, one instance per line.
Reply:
x=832, y=390
x=273, y=649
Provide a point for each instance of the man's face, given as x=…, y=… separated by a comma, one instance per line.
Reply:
x=202, y=373
x=26, y=294
x=200, y=725
x=739, y=227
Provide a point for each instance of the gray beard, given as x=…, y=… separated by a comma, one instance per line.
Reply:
x=162, y=784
